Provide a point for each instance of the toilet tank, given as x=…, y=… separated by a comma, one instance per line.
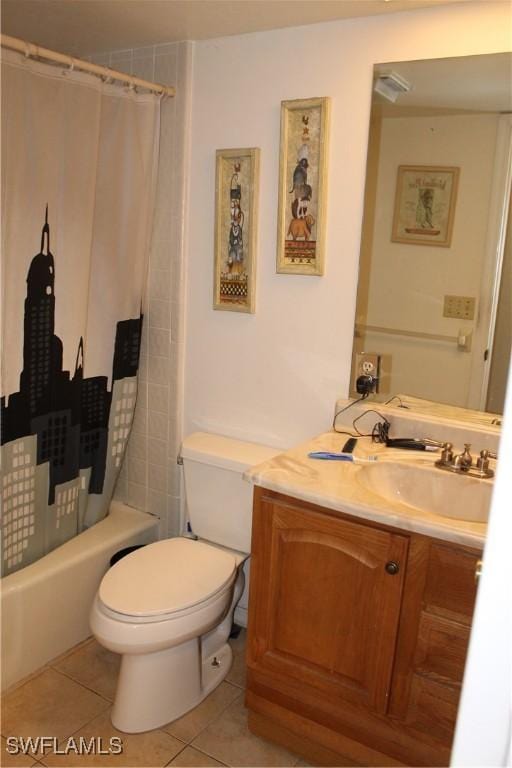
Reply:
x=219, y=500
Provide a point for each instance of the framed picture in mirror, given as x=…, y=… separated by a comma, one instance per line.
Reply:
x=302, y=186
x=425, y=205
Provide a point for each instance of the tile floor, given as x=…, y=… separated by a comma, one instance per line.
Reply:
x=72, y=696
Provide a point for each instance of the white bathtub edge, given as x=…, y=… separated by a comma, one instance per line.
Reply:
x=45, y=606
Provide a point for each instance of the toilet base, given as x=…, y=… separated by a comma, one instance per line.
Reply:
x=215, y=669
x=156, y=688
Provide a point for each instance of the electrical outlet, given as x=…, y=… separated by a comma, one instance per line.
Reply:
x=367, y=364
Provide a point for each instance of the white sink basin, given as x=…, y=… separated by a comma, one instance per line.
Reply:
x=430, y=490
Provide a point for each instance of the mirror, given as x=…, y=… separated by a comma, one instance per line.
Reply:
x=435, y=275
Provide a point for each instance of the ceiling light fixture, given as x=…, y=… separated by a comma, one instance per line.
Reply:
x=391, y=85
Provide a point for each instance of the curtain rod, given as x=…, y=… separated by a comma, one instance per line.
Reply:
x=36, y=51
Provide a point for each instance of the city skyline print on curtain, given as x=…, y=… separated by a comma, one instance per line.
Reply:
x=61, y=433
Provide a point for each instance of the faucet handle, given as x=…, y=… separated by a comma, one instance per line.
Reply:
x=447, y=453
x=482, y=464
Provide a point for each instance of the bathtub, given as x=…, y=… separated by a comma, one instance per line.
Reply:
x=45, y=606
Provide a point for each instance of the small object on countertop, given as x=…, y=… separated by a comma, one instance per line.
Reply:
x=349, y=445
x=331, y=456
x=412, y=444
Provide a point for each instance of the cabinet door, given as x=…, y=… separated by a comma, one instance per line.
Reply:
x=323, y=609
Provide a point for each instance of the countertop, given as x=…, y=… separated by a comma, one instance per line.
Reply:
x=335, y=485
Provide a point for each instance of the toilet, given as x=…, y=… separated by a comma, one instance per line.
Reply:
x=167, y=608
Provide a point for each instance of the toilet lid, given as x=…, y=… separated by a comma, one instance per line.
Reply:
x=165, y=577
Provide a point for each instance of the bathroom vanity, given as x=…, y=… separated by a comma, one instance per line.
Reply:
x=359, y=613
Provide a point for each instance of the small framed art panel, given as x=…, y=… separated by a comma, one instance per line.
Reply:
x=425, y=205
x=236, y=203
x=302, y=186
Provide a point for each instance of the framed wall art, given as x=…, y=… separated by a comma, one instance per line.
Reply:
x=302, y=186
x=237, y=172
x=425, y=204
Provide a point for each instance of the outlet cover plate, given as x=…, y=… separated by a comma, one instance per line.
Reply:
x=460, y=307
x=367, y=364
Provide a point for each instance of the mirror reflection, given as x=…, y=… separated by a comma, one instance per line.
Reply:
x=434, y=311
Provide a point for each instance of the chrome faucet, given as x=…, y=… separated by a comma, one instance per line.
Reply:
x=463, y=462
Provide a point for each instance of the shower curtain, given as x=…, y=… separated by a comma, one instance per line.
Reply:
x=78, y=178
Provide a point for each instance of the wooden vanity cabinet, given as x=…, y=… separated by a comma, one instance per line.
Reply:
x=357, y=636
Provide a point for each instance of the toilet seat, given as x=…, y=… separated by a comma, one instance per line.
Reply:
x=168, y=578
x=163, y=618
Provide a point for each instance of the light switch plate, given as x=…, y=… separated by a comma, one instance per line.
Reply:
x=461, y=307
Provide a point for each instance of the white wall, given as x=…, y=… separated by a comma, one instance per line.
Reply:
x=408, y=282
x=274, y=376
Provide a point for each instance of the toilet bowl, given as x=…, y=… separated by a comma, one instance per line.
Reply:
x=168, y=607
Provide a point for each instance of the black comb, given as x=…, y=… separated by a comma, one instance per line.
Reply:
x=349, y=445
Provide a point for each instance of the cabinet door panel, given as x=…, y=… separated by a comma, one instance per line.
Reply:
x=332, y=598
x=441, y=649
x=451, y=587
x=432, y=709
x=327, y=610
